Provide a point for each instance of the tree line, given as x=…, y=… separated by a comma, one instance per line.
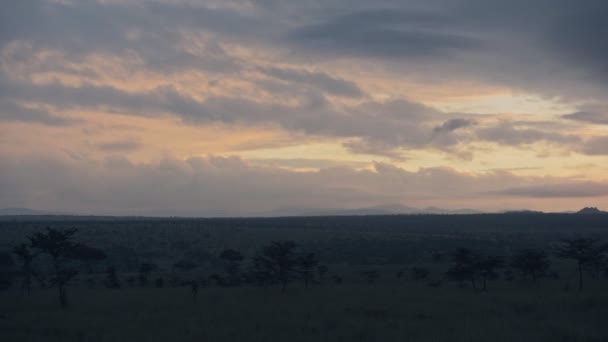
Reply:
x=277, y=264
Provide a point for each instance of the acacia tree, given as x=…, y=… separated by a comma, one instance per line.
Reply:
x=471, y=266
x=277, y=262
x=419, y=273
x=183, y=265
x=144, y=273
x=370, y=276
x=530, y=263
x=306, y=265
x=60, y=247
x=232, y=264
x=111, y=281
x=89, y=256
x=487, y=267
x=6, y=272
x=584, y=251
x=26, y=259
x=464, y=267
x=322, y=271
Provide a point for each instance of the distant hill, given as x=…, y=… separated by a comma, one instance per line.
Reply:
x=523, y=212
x=22, y=211
x=590, y=210
x=392, y=209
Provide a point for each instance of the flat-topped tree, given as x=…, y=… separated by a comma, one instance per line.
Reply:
x=60, y=247
x=531, y=263
x=89, y=256
x=585, y=251
x=6, y=272
x=26, y=260
x=487, y=268
x=277, y=262
x=232, y=264
x=306, y=264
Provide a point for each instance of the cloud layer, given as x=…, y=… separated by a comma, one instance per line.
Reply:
x=429, y=92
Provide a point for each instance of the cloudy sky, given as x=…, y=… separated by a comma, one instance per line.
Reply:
x=227, y=107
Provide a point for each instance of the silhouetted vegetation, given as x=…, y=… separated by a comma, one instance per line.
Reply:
x=60, y=247
x=381, y=274
x=306, y=265
x=276, y=262
x=26, y=261
x=531, y=264
x=6, y=270
x=585, y=252
x=232, y=265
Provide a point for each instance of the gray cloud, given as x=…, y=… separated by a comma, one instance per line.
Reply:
x=453, y=124
x=320, y=80
x=560, y=44
x=589, y=117
x=595, y=146
x=232, y=186
x=507, y=133
x=563, y=190
x=125, y=145
x=11, y=111
x=385, y=33
x=380, y=128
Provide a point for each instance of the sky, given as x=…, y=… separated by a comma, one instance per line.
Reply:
x=220, y=108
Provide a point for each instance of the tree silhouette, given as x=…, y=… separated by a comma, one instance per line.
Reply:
x=584, y=251
x=88, y=255
x=464, y=267
x=58, y=245
x=487, y=267
x=322, y=271
x=194, y=289
x=144, y=273
x=370, y=276
x=277, y=262
x=419, y=273
x=111, y=280
x=531, y=263
x=232, y=264
x=185, y=265
x=6, y=272
x=26, y=260
x=306, y=265
x=471, y=266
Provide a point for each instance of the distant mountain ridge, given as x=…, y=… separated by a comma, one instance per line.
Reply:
x=392, y=209
x=591, y=210
x=23, y=212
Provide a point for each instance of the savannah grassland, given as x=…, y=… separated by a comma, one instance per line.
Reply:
x=390, y=309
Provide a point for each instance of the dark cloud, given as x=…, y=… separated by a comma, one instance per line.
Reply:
x=595, y=146
x=553, y=47
x=384, y=33
x=548, y=46
x=453, y=124
x=508, y=133
x=588, y=117
x=380, y=128
x=11, y=111
x=319, y=80
x=125, y=145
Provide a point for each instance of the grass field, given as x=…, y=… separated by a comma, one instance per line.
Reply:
x=510, y=311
